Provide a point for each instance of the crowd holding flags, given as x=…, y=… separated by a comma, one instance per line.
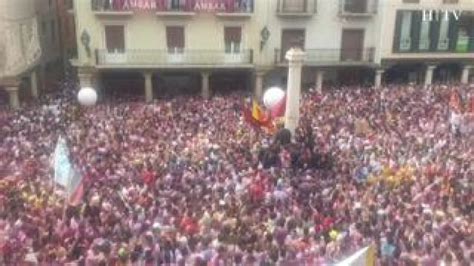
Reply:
x=455, y=101
x=66, y=175
x=265, y=118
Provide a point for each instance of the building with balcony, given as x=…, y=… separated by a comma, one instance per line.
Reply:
x=29, y=48
x=425, y=41
x=160, y=47
x=340, y=39
x=165, y=46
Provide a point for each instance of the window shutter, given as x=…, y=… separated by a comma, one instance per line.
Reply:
x=175, y=37
x=398, y=28
x=434, y=35
x=115, y=38
x=416, y=29
x=233, y=34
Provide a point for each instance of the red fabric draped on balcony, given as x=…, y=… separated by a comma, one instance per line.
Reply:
x=229, y=5
x=189, y=5
x=118, y=4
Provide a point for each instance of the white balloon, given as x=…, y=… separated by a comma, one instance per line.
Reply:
x=87, y=96
x=273, y=96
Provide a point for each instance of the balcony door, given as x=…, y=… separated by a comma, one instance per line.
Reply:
x=352, y=45
x=175, y=43
x=355, y=6
x=233, y=43
x=115, y=44
x=291, y=6
x=291, y=38
x=115, y=38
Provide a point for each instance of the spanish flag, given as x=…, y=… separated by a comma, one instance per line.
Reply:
x=257, y=113
x=257, y=117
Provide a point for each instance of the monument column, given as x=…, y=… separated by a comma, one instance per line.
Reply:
x=259, y=75
x=295, y=57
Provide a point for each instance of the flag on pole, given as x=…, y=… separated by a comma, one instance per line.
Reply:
x=256, y=117
x=363, y=257
x=455, y=101
x=66, y=175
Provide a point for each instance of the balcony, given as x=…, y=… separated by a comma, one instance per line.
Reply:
x=296, y=8
x=358, y=8
x=109, y=8
x=331, y=57
x=175, y=8
x=174, y=59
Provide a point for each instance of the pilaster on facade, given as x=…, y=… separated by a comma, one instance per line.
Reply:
x=466, y=73
x=205, y=90
x=378, y=77
x=429, y=74
x=148, y=76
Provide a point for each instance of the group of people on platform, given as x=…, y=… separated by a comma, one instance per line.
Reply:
x=188, y=182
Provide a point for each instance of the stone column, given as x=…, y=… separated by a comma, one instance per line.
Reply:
x=378, y=77
x=465, y=74
x=14, y=99
x=295, y=57
x=34, y=84
x=85, y=79
x=205, y=91
x=429, y=74
x=258, y=92
x=319, y=80
x=148, y=86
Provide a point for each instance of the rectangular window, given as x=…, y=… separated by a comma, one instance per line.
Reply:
x=450, y=1
x=424, y=41
x=175, y=39
x=411, y=1
x=53, y=31
x=294, y=6
x=405, y=31
x=115, y=38
x=443, y=41
x=233, y=39
x=355, y=6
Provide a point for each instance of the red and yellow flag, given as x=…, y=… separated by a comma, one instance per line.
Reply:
x=455, y=101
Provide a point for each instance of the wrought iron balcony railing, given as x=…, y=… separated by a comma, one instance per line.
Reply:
x=358, y=7
x=332, y=56
x=220, y=6
x=295, y=7
x=166, y=58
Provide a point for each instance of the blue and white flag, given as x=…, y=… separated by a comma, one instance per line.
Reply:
x=65, y=174
x=63, y=169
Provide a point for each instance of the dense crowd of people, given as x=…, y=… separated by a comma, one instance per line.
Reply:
x=188, y=182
